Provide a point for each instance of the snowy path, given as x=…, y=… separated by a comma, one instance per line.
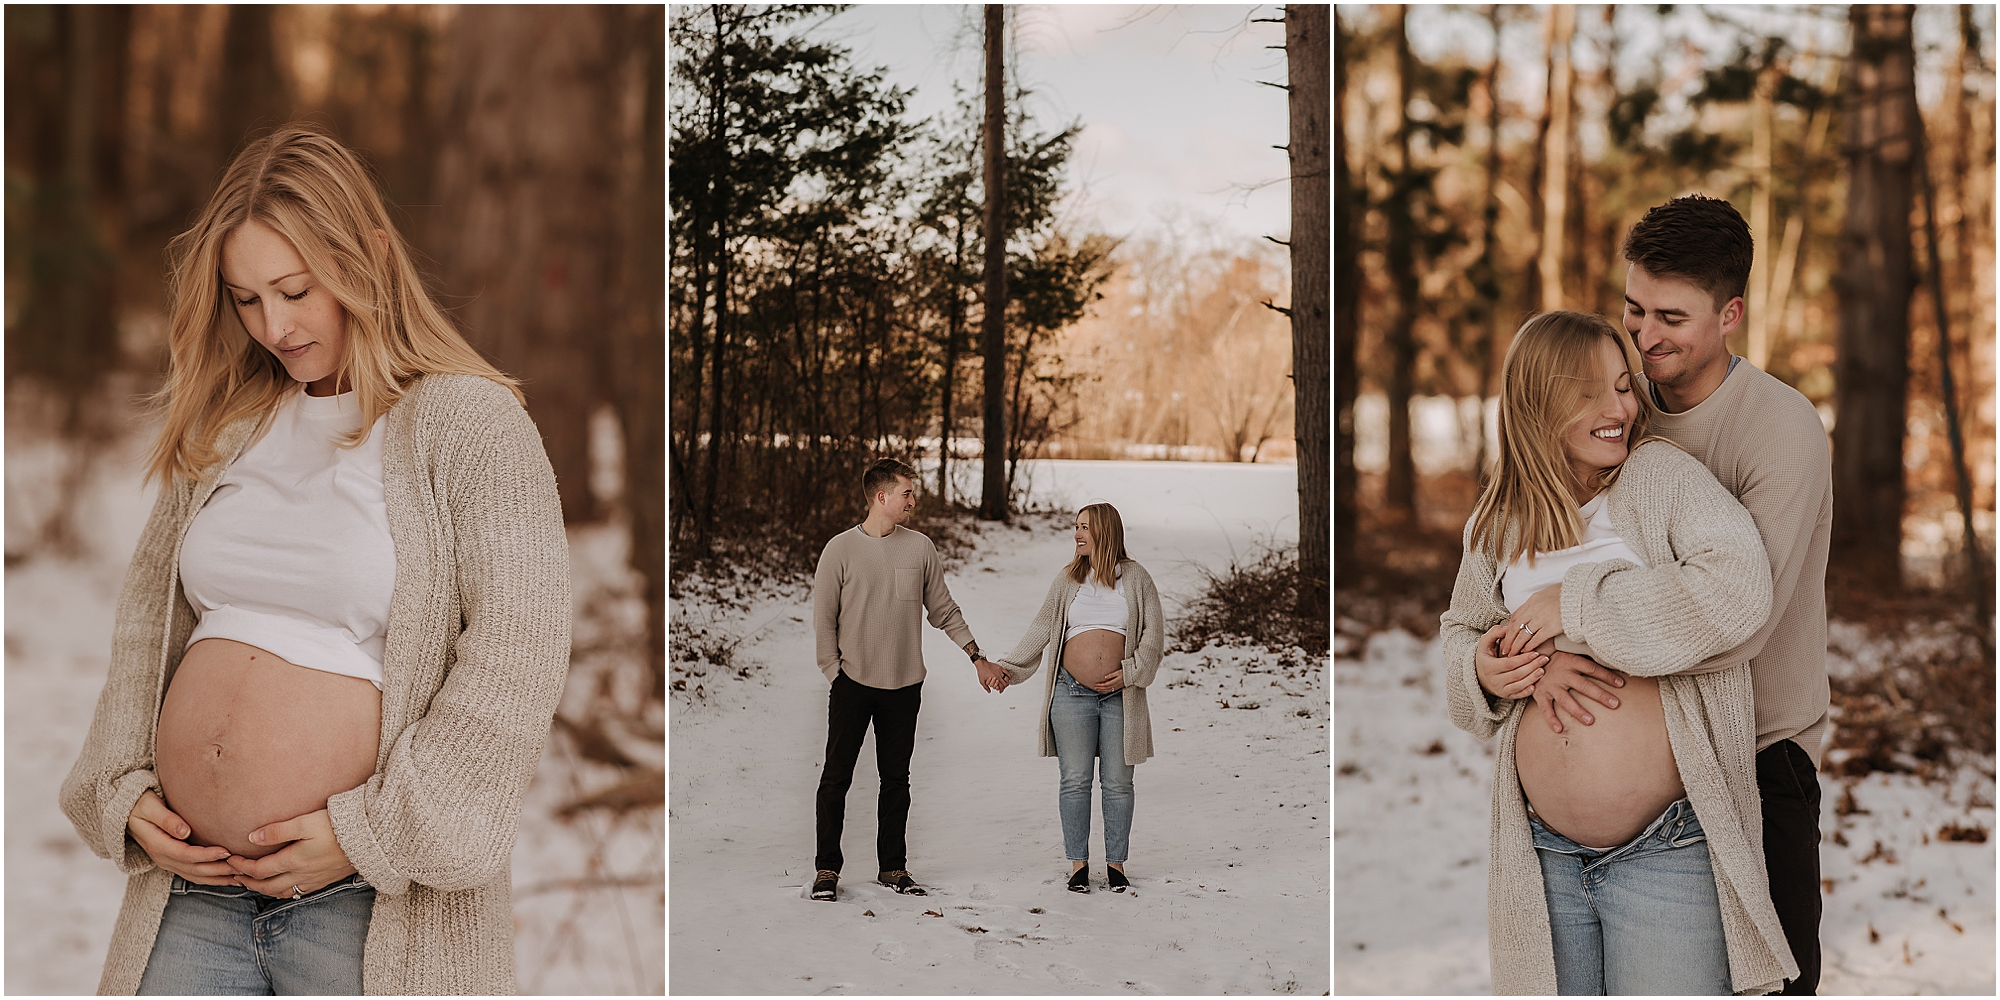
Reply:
x=1905, y=912
x=1229, y=844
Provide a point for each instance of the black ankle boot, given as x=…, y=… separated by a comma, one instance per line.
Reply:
x=1079, y=880
x=1117, y=879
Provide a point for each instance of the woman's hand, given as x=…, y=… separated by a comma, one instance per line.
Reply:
x=1111, y=682
x=312, y=862
x=163, y=835
x=1538, y=620
x=1501, y=675
x=992, y=676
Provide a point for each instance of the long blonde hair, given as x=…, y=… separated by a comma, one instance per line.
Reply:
x=1554, y=359
x=1107, y=546
x=313, y=191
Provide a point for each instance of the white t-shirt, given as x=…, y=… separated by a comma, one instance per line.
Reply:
x=1098, y=606
x=1519, y=581
x=292, y=552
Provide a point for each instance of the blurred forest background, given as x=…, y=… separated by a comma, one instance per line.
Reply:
x=828, y=259
x=521, y=150
x=1490, y=160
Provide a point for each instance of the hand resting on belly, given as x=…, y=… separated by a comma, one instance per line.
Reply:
x=1093, y=658
x=247, y=739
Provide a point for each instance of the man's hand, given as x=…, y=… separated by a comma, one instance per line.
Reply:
x=1569, y=675
x=163, y=834
x=992, y=676
x=1506, y=676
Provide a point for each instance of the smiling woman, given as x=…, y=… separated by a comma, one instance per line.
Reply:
x=346, y=626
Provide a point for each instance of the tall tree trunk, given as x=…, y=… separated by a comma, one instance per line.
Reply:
x=1400, y=487
x=640, y=336
x=1486, y=273
x=1346, y=300
x=993, y=495
x=253, y=91
x=1555, y=179
x=1761, y=270
x=954, y=327
x=1875, y=284
x=1538, y=208
x=529, y=182
x=1947, y=390
x=1305, y=72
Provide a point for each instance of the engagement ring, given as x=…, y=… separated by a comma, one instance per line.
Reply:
x=296, y=893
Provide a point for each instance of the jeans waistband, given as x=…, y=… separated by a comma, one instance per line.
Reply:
x=183, y=887
x=1677, y=825
x=1079, y=688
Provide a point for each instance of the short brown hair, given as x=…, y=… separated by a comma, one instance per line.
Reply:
x=882, y=473
x=1699, y=239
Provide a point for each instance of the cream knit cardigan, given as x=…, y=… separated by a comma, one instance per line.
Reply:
x=1707, y=589
x=1145, y=637
x=476, y=653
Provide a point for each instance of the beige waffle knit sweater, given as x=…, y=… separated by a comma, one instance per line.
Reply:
x=1765, y=443
x=1145, y=638
x=1708, y=589
x=868, y=593
x=477, y=650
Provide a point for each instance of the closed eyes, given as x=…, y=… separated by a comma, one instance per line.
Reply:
x=252, y=300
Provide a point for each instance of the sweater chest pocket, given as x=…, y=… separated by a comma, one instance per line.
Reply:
x=909, y=584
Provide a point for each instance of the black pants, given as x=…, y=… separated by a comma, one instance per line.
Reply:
x=849, y=707
x=1790, y=789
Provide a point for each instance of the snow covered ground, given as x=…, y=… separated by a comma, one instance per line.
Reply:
x=1229, y=842
x=589, y=902
x=1905, y=911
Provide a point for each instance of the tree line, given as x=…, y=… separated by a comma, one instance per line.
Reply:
x=523, y=148
x=1473, y=191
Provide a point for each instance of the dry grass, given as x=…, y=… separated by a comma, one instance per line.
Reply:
x=1252, y=601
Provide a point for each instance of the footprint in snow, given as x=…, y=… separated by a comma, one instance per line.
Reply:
x=889, y=951
x=981, y=890
x=1069, y=975
x=992, y=952
x=1144, y=989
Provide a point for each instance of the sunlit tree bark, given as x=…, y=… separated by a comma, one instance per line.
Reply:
x=1306, y=72
x=1875, y=286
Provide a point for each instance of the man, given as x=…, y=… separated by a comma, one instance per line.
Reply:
x=872, y=579
x=1690, y=260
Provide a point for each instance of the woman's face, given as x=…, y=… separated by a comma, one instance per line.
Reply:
x=1597, y=440
x=1083, y=532
x=283, y=306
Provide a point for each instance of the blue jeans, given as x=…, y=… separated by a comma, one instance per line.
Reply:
x=1090, y=725
x=1641, y=918
x=229, y=940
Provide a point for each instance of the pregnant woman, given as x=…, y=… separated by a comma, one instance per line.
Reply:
x=1626, y=855
x=345, y=628
x=1100, y=634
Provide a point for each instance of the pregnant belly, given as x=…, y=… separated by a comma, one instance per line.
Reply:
x=1092, y=656
x=247, y=739
x=1600, y=784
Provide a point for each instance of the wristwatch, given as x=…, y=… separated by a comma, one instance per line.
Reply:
x=973, y=653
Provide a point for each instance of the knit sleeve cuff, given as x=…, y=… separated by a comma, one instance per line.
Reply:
x=349, y=813
x=125, y=852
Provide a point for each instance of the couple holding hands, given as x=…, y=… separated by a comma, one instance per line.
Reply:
x=1099, y=632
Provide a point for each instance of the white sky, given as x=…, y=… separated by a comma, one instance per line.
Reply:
x=1176, y=125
